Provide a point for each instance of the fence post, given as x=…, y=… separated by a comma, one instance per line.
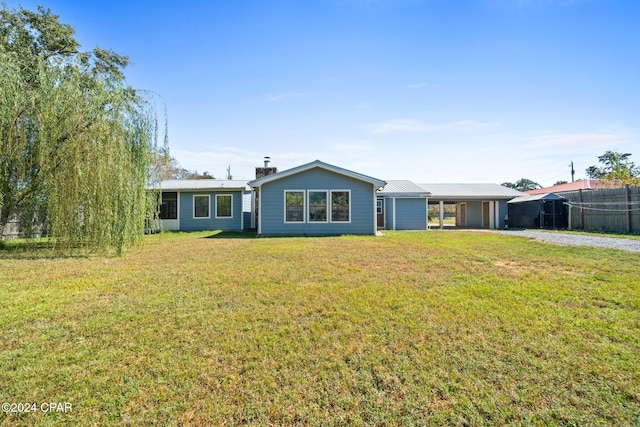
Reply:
x=581, y=211
x=628, y=208
x=569, y=217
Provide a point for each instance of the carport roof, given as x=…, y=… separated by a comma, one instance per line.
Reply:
x=402, y=188
x=470, y=191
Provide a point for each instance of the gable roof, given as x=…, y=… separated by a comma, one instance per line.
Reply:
x=402, y=188
x=316, y=164
x=199, y=185
x=470, y=191
x=534, y=197
x=583, y=184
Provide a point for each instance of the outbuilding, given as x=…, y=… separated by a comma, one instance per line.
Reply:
x=538, y=211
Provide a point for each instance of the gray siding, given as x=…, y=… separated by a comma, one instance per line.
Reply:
x=503, y=210
x=411, y=214
x=272, y=207
x=189, y=223
x=388, y=213
x=474, y=214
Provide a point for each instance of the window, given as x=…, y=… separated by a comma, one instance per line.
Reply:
x=317, y=206
x=294, y=206
x=340, y=206
x=224, y=207
x=201, y=206
x=169, y=205
x=379, y=206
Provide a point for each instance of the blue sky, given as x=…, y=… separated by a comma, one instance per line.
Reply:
x=431, y=91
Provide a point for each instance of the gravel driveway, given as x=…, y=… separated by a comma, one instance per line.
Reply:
x=577, y=239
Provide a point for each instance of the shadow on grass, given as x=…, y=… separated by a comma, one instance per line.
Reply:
x=36, y=248
x=232, y=235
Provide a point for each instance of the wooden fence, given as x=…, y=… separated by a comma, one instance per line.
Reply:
x=614, y=209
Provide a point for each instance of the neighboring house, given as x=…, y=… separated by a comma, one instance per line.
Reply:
x=538, y=211
x=402, y=205
x=316, y=199
x=202, y=204
x=583, y=184
x=476, y=205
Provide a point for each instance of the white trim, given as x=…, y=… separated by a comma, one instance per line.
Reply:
x=317, y=164
x=252, y=220
x=375, y=210
x=260, y=211
x=284, y=203
x=216, y=207
x=393, y=209
x=326, y=193
x=426, y=206
x=208, y=196
x=330, y=209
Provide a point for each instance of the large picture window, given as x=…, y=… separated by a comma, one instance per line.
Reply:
x=169, y=205
x=201, y=206
x=294, y=206
x=340, y=206
x=317, y=206
x=224, y=206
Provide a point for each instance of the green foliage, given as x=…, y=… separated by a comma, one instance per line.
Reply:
x=75, y=140
x=615, y=167
x=523, y=184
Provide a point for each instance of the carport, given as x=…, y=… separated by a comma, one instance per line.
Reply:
x=476, y=205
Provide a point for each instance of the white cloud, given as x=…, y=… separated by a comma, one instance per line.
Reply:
x=412, y=125
x=351, y=146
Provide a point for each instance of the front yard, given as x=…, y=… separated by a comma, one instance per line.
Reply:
x=447, y=328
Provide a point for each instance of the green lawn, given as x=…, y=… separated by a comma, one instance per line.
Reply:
x=415, y=328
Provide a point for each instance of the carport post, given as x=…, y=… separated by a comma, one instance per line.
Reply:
x=441, y=203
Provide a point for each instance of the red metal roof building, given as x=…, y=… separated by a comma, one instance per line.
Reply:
x=584, y=184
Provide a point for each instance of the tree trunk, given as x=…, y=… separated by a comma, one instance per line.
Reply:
x=4, y=218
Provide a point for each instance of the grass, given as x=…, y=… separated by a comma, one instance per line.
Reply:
x=408, y=328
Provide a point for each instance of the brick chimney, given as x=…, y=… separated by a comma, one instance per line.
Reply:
x=266, y=170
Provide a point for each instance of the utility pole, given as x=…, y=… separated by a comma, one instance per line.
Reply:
x=573, y=172
x=229, y=177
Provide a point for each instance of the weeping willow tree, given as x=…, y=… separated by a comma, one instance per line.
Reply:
x=75, y=141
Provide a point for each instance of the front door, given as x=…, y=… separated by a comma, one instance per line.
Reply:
x=486, y=218
x=461, y=215
x=380, y=212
